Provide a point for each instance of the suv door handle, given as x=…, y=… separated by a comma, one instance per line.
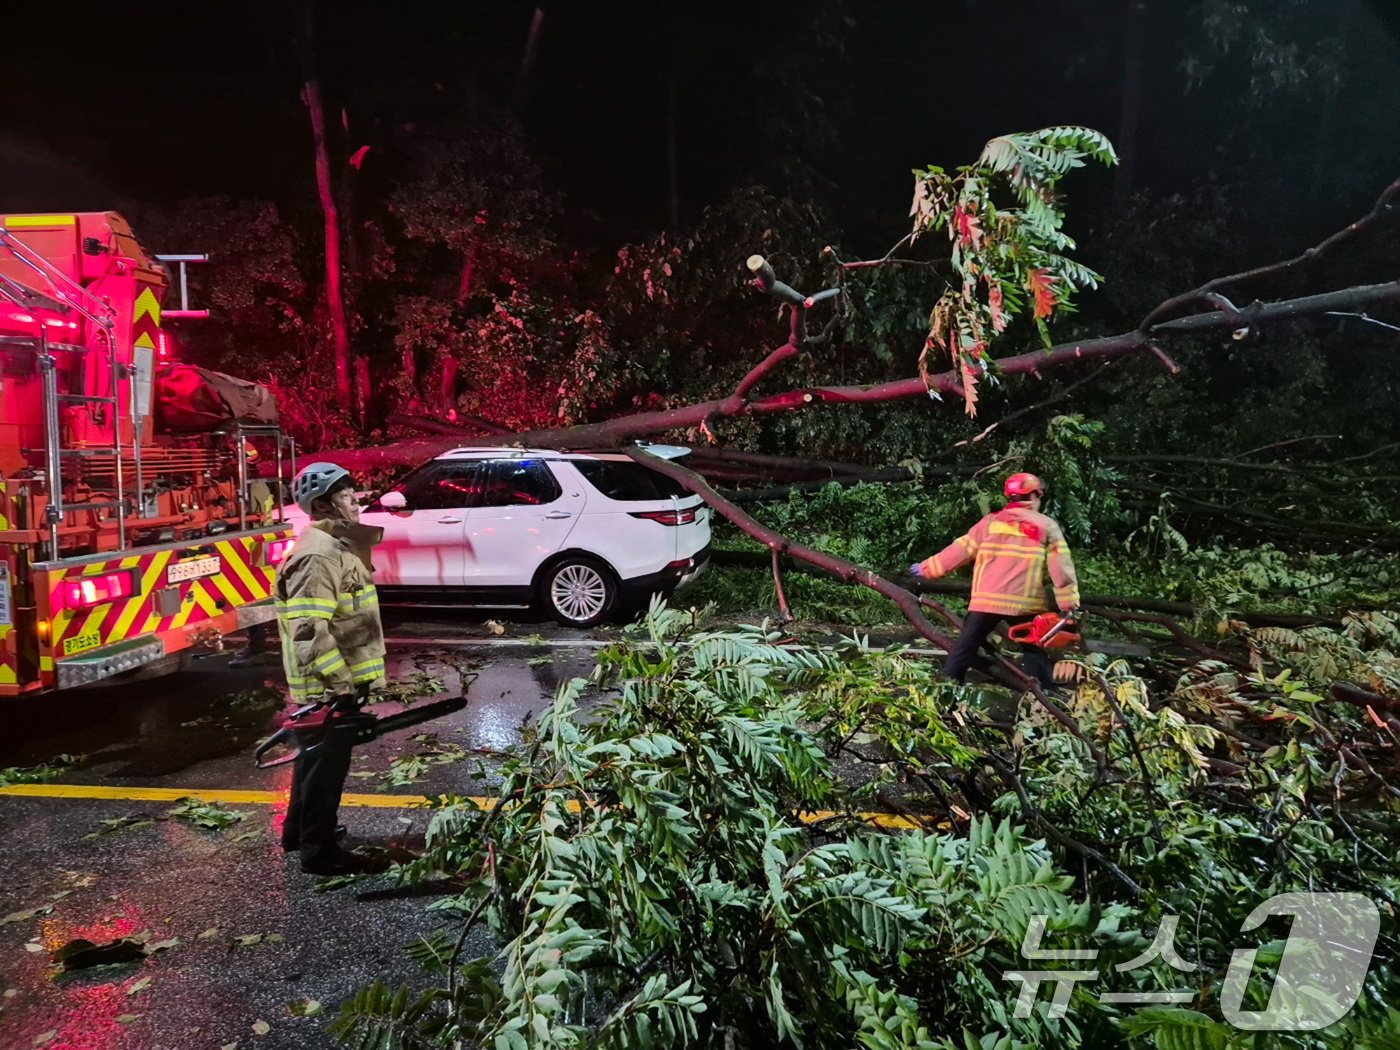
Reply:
x=450, y=520
x=555, y=514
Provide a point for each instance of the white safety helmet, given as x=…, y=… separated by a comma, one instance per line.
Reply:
x=316, y=481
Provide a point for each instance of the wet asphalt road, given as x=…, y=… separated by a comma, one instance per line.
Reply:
x=205, y=889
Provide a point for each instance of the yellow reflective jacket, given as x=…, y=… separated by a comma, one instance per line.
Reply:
x=1011, y=551
x=328, y=611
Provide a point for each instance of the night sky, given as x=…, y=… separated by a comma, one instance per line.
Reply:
x=114, y=104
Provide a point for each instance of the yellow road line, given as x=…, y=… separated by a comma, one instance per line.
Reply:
x=226, y=796
x=237, y=797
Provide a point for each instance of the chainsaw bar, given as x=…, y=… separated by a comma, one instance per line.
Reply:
x=414, y=715
x=304, y=737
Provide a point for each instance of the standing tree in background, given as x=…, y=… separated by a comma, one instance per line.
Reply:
x=470, y=195
x=325, y=190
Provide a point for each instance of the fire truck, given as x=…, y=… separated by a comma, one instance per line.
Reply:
x=134, y=530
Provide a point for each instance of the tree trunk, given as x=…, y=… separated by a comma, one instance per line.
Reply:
x=1037, y=363
x=335, y=304
x=408, y=363
x=464, y=283
x=363, y=401
x=447, y=383
x=527, y=61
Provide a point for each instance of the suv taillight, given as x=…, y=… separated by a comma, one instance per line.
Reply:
x=667, y=517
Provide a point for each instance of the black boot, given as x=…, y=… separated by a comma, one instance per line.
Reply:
x=337, y=861
x=291, y=839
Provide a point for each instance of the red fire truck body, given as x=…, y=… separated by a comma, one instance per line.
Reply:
x=123, y=546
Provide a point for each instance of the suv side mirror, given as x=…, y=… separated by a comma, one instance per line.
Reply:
x=393, y=500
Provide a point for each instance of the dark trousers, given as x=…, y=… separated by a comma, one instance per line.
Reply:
x=318, y=780
x=975, y=631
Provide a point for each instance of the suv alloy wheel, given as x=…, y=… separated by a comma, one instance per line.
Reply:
x=579, y=591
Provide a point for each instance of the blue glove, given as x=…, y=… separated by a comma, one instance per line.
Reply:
x=914, y=569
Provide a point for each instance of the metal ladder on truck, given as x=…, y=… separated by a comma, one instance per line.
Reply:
x=70, y=295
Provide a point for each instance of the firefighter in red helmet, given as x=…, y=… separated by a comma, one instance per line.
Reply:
x=1011, y=551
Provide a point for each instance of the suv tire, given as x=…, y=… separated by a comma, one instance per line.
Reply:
x=578, y=591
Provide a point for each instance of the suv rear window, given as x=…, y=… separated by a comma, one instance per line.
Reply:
x=628, y=481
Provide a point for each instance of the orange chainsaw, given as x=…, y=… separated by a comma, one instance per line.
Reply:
x=1049, y=630
x=1052, y=630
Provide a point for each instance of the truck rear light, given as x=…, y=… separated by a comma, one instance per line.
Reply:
x=87, y=591
x=667, y=517
x=276, y=551
x=22, y=317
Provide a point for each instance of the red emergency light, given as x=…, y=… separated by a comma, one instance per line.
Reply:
x=164, y=345
x=276, y=551
x=17, y=317
x=88, y=591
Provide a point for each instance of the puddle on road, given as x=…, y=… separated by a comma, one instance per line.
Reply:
x=510, y=689
x=202, y=724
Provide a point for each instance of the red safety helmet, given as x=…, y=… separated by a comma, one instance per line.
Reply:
x=1020, y=486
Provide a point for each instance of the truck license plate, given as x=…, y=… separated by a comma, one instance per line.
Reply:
x=194, y=569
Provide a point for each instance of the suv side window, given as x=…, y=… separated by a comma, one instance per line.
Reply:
x=518, y=483
x=628, y=480
x=443, y=484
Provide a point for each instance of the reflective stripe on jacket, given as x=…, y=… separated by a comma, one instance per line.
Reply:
x=1011, y=550
x=328, y=611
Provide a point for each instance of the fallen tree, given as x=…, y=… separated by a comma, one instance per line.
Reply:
x=742, y=404
x=1160, y=326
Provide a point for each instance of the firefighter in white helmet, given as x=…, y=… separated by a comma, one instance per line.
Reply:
x=332, y=651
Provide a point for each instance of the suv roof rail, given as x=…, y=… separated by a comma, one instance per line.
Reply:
x=497, y=450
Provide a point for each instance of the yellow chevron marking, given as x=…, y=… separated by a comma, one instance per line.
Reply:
x=146, y=303
x=227, y=590
x=238, y=559
x=236, y=796
x=8, y=675
x=58, y=626
x=199, y=591
x=16, y=222
x=148, y=581
x=144, y=339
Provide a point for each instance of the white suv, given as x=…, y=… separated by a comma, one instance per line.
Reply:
x=578, y=534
